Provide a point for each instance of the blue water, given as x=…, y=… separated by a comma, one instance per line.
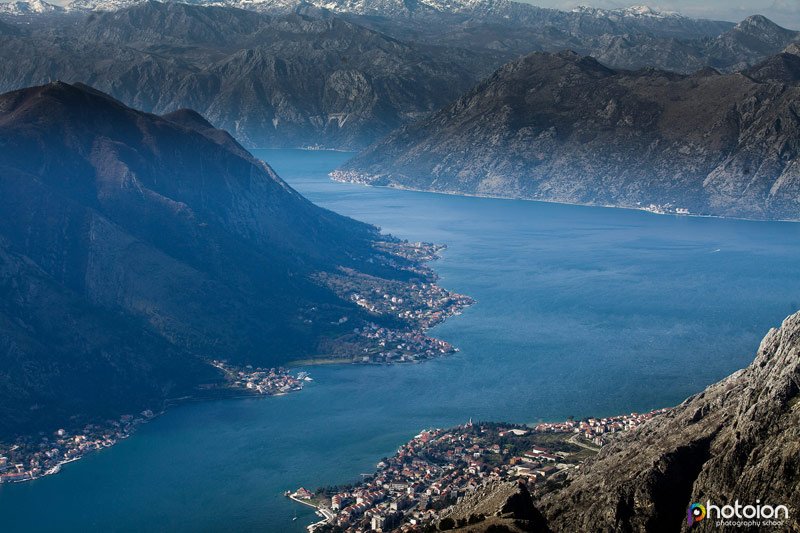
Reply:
x=581, y=311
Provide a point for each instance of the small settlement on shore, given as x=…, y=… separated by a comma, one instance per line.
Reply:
x=416, y=306
x=438, y=468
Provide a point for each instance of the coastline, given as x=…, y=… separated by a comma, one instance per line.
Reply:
x=249, y=382
x=95, y=437
x=432, y=471
x=319, y=361
x=333, y=176
x=327, y=514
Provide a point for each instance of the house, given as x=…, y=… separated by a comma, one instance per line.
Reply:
x=547, y=471
x=303, y=494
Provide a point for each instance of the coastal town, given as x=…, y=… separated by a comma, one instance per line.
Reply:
x=664, y=209
x=386, y=345
x=413, y=307
x=438, y=468
x=33, y=457
x=30, y=458
x=407, y=308
x=267, y=381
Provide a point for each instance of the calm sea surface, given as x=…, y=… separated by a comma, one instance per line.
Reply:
x=581, y=311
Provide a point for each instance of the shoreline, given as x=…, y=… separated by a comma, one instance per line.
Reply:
x=239, y=382
x=450, y=462
x=128, y=428
x=333, y=177
x=327, y=514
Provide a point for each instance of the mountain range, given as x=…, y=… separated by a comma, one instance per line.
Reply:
x=338, y=75
x=134, y=248
x=286, y=81
x=562, y=127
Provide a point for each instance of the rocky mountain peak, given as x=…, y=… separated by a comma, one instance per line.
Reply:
x=764, y=30
x=634, y=11
x=24, y=8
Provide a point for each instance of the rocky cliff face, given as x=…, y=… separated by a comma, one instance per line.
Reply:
x=737, y=440
x=561, y=127
x=134, y=246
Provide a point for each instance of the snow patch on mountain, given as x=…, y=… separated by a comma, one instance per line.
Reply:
x=29, y=7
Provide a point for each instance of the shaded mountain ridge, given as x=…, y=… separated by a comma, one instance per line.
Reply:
x=135, y=247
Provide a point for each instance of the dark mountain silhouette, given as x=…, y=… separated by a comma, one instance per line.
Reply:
x=134, y=247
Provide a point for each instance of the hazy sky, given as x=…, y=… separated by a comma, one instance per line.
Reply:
x=783, y=12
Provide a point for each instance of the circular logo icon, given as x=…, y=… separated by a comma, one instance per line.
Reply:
x=697, y=512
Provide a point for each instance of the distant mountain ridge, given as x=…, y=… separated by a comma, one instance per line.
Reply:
x=561, y=127
x=286, y=81
x=340, y=74
x=383, y=8
x=24, y=8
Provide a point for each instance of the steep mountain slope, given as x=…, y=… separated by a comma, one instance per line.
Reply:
x=62, y=356
x=131, y=245
x=739, y=439
x=560, y=127
x=780, y=68
x=288, y=81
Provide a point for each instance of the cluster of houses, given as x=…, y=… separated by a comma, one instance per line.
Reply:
x=29, y=458
x=433, y=471
x=437, y=468
x=596, y=430
x=271, y=381
x=389, y=345
x=663, y=209
x=419, y=303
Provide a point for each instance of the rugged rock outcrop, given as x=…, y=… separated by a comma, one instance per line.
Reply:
x=561, y=127
x=501, y=506
x=133, y=247
x=737, y=440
